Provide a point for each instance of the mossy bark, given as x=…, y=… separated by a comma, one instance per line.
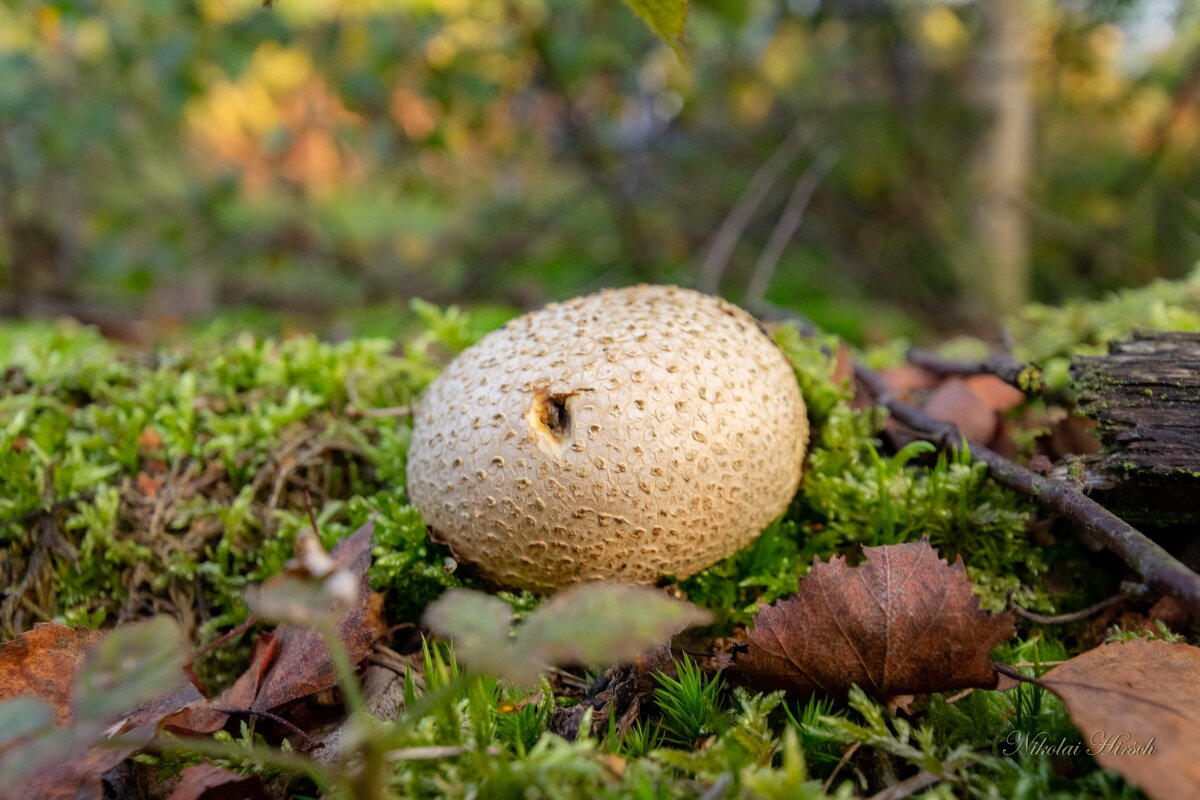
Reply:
x=1146, y=396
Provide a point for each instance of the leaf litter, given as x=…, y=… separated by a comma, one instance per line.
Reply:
x=1137, y=707
x=902, y=622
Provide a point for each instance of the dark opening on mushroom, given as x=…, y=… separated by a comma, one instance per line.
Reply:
x=551, y=414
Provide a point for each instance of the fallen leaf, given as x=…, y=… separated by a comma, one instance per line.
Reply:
x=954, y=402
x=1135, y=703
x=995, y=393
x=384, y=699
x=903, y=381
x=1169, y=612
x=902, y=622
x=208, y=782
x=22, y=717
x=94, y=686
x=303, y=665
x=43, y=663
x=206, y=716
x=128, y=668
x=75, y=775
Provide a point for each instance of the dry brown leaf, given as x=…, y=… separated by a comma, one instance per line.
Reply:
x=76, y=776
x=1136, y=704
x=954, y=401
x=208, y=782
x=292, y=662
x=995, y=393
x=903, y=381
x=843, y=366
x=44, y=662
x=303, y=665
x=902, y=622
x=209, y=715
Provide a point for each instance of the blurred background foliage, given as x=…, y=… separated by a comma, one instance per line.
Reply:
x=872, y=162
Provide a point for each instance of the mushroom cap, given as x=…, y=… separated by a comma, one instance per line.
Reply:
x=622, y=436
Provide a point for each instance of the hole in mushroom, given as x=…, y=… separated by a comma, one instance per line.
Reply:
x=555, y=415
x=549, y=417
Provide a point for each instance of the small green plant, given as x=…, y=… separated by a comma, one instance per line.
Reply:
x=817, y=741
x=641, y=739
x=1161, y=631
x=689, y=703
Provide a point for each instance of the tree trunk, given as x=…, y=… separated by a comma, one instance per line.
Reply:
x=996, y=274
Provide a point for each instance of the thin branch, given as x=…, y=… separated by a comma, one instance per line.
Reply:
x=909, y=786
x=310, y=743
x=845, y=759
x=1074, y=616
x=1026, y=377
x=1015, y=674
x=214, y=644
x=1158, y=567
x=720, y=249
x=789, y=223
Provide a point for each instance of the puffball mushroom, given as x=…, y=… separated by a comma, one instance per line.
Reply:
x=621, y=436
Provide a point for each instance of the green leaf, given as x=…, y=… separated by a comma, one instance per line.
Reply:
x=593, y=625
x=665, y=17
x=597, y=624
x=479, y=625
x=131, y=665
x=22, y=716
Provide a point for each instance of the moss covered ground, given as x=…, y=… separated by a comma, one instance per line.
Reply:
x=136, y=482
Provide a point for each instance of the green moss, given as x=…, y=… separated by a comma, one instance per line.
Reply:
x=178, y=476
x=1050, y=335
x=181, y=473
x=853, y=494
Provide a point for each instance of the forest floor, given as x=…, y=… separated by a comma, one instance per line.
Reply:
x=174, y=627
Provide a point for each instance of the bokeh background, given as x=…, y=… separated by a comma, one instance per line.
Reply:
x=882, y=166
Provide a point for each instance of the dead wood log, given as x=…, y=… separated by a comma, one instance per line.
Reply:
x=1145, y=394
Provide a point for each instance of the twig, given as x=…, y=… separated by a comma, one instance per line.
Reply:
x=1074, y=616
x=310, y=743
x=716, y=257
x=1158, y=567
x=789, y=222
x=845, y=759
x=214, y=644
x=1015, y=674
x=908, y=787
x=1026, y=377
